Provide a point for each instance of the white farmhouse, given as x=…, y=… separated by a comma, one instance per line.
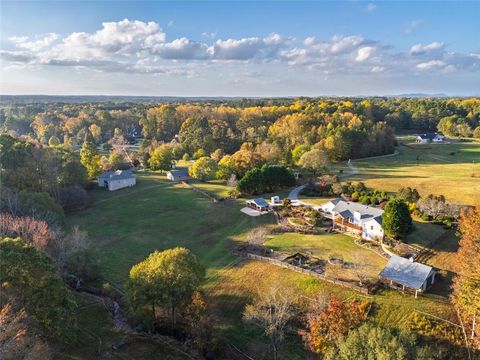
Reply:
x=365, y=220
x=115, y=180
x=430, y=137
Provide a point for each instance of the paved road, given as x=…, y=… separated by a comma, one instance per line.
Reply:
x=295, y=192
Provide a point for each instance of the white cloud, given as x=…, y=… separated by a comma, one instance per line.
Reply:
x=377, y=69
x=431, y=65
x=115, y=38
x=371, y=7
x=345, y=44
x=248, y=48
x=141, y=47
x=419, y=49
x=181, y=49
x=309, y=41
x=364, y=53
x=39, y=42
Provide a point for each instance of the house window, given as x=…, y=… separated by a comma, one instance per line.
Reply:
x=371, y=227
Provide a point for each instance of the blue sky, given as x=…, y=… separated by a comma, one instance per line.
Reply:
x=240, y=48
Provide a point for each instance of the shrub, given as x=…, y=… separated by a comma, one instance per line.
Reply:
x=36, y=232
x=73, y=198
x=41, y=205
x=83, y=264
x=355, y=196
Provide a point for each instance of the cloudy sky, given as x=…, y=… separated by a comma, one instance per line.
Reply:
x=240, y=48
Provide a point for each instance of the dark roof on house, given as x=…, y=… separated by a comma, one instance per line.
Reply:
x=406, y=272
x=346, y=209
x=429, y=136
x=117, y=175
x=179, y=172
x=259, y=202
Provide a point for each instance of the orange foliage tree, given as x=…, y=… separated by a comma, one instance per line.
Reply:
x=466, y=286
x=326, y=325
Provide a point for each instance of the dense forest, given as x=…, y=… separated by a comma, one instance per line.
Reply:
x=50, y=153
x=274, y=130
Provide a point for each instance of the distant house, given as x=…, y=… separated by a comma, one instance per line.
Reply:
x=430, y=137
x=365, y=220
x=180, y=174
x=401, y=273
x=258, y=204
x=115, y=180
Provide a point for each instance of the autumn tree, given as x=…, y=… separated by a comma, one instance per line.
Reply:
x=466, y=285
x=89, y=157
x=396, y=219
x=314, y=160
x=409, y=194
x=199, y=321
x=373, y=342
x=203, y=169
x=117, y=161
x=20, y=336
x=327, y=324
x=96, y=132
x=272, y=310
x=165, y=279
x=161, y=158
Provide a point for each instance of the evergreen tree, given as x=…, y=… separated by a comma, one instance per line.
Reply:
x=396, y=219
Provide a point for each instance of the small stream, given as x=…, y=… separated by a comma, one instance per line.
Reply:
x=119, y=321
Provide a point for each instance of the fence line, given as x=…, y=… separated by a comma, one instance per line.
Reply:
x=307, y=272
x=203, y=192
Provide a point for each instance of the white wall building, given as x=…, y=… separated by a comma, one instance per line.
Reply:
x=115, y=180
x=430, y=137
x=364, y=220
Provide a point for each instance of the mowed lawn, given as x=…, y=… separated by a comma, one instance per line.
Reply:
x=326, y=245
x=429, y=168
x=129, y=224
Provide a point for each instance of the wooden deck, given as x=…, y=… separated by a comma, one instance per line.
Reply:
x=339, y=221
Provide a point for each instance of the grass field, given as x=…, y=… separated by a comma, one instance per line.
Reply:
x=326, y=245
x=427, y=167
x=129, y=224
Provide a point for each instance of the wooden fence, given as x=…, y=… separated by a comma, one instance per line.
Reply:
x=283, y=264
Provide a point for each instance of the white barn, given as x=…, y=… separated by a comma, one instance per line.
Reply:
x=180, y=174
x=365, y=220
x=115, y=180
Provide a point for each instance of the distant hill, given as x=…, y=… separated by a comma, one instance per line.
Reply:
x=422, y=95
x=19, y=99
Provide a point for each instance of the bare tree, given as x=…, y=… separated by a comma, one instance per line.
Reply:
x=257, y=236
x=75, y=241
x=272, y=310
x=360, y=267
